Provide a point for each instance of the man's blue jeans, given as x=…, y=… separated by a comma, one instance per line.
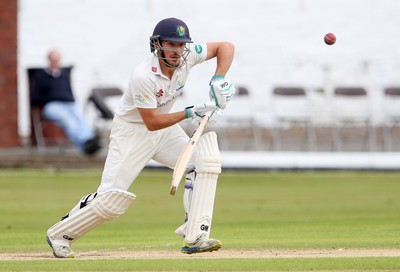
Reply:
x=71, y=119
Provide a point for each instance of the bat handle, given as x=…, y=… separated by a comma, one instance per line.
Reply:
x=173, y=190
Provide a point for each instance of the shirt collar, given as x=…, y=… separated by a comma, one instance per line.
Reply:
x=55, y=73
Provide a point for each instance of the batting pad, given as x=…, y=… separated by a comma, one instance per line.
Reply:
x=104, y=207
x=187, y=198
x=208, y=167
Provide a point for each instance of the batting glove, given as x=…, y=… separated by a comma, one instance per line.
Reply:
x=199, y=110
x=221, y=91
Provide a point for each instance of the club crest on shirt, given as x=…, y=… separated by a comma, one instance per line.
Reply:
x=181, y=82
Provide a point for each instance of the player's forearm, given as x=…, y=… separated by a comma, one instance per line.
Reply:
x=164, y=120
x=225, y=54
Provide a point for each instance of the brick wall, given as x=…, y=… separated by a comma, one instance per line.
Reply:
x=8, y=74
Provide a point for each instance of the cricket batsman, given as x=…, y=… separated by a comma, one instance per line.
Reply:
x=144, y=129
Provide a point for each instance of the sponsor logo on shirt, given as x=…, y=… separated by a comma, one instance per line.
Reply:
x=141, y=98
x=159, y=93
x=154, y=69
x=198, y=49
x=165, y=103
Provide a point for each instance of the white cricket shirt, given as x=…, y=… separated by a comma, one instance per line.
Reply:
x=149, y=88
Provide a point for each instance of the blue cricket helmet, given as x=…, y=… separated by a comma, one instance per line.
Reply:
x=170, y=29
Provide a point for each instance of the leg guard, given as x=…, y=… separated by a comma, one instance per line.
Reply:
x=201, y=204
x=187, y=197
x=106, y=206
x=86, y=200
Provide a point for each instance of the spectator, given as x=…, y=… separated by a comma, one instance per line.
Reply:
x=52, y=91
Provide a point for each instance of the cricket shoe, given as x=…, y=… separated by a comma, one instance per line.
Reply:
x=60, y=250
x=202, y=244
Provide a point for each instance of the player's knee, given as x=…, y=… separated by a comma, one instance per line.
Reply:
x=209, y=157
x=112, y=204
x=209, y=165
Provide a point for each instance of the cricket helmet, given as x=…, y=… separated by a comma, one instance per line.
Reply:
x=170, y=29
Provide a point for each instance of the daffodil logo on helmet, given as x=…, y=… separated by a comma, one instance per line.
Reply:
x=181, y=31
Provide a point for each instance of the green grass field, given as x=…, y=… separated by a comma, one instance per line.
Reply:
x=254, y=211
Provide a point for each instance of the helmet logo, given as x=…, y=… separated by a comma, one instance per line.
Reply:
x=181, y=31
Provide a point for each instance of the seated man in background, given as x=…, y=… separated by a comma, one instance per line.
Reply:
x=52, y=91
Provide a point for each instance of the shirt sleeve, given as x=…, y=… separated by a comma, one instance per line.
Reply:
x=142, y=92
x=197, y=55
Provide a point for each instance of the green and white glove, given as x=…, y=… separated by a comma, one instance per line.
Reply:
x=199, y=110
x=221, y=91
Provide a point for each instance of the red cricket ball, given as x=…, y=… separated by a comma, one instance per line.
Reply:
x=330, y=38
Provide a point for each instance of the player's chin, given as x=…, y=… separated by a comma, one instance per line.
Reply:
x=174, y=62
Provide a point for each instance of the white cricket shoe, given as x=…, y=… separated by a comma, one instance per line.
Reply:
x=202, y=244
x=60, y=250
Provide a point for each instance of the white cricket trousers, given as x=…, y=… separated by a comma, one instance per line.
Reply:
x=132, y=146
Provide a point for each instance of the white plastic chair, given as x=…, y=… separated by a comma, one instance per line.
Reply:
x=391, y=106
x=292, y=108
x=104, y=101
x=351, y=108
x=238, y=127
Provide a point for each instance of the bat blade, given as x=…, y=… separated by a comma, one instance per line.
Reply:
x=184, y=157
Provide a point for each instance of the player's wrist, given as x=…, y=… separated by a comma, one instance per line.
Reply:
x=189, y=112
x=216, y=78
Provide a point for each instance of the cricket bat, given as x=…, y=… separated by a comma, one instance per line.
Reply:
x=184, y=157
